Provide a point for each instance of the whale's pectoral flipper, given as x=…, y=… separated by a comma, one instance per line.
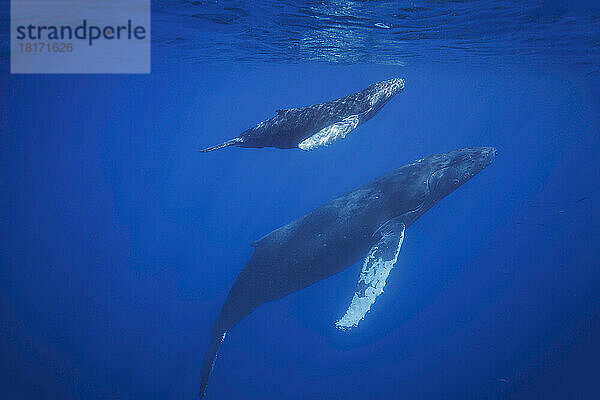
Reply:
x=375, y=270
x=228, y=143
x=331, y=133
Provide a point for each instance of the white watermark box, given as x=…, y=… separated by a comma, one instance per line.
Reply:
x=80, y=36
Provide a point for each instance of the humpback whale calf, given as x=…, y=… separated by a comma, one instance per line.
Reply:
x=367, y=223
x=319, y=125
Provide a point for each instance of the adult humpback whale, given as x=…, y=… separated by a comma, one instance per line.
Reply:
x=319, y=125
x=368, y=222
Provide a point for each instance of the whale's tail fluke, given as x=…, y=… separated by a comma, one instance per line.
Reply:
x=228, y=143
x=209, y=360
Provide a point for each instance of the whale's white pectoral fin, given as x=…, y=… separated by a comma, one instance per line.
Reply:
x=330, y=133
x=375, y=270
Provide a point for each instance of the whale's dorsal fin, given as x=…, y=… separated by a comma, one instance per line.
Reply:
x=331, y=133
x=375, y=270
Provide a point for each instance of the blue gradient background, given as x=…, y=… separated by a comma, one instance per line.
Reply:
x=119, y=242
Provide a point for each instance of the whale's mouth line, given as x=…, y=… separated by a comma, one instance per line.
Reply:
x=431, y=192
x=427, y=197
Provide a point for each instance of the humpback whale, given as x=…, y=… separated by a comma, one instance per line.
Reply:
x=318, y=125
x=367, y=223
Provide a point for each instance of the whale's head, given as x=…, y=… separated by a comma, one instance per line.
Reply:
x=381, y=92
x=392, y=86
x=453, y=169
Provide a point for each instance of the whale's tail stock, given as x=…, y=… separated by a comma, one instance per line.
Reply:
x=228, y=143
x=209, y=360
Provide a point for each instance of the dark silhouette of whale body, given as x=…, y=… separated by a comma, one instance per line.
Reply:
x=368, y=222
x=319, y=125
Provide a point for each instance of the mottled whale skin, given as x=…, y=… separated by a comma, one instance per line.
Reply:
x=338, y=234
x=318, y=125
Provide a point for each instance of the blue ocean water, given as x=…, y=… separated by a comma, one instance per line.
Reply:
x=119, y=241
